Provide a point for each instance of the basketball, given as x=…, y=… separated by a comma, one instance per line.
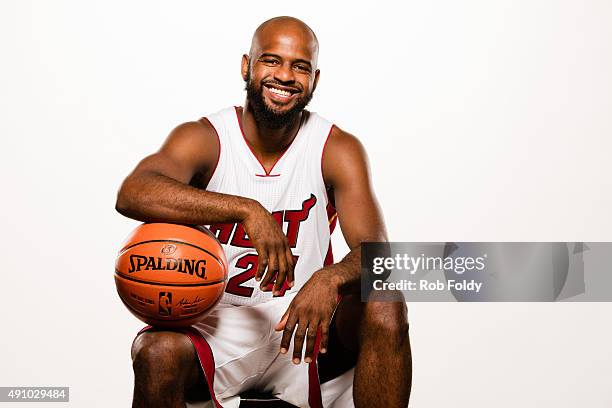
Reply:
x=170, y=275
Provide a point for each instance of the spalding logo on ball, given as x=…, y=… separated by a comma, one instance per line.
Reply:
x=170, y=275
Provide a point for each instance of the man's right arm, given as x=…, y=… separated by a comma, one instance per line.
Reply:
x=158, y=190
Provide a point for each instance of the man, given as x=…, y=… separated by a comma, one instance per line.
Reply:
x=269, y=179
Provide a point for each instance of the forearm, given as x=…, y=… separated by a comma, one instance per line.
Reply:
x=345, y=275
x=153, y=197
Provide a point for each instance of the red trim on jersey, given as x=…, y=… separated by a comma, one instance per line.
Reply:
x=323, y=154
x=218, y=154
x=332, y=217
x=329, y=257
x=267, y=173
x=205, y=357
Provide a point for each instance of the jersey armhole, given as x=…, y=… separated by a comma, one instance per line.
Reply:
x=331, y=128
x=214, y=172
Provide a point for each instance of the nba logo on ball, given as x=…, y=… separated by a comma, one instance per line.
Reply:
x=165, y=303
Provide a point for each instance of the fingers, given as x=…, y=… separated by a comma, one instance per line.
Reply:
x=324, y=336
x=291, y=260
x=280, y=276
x=288, y=331
x=298, y=342
x=306, y=333
x=283, y=322
x=285, y=272
x=262, y=263
x=281, y=265
x=275, y=262
x=311, y=339
x=272, y=269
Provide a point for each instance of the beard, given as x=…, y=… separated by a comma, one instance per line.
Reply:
x=266, y=115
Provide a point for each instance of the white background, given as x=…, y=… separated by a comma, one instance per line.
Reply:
x=484, y=120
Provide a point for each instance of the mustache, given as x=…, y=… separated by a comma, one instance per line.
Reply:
x=289, y=84
x=267, y=115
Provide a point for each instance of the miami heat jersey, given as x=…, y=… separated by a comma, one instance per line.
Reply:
x=293, y=191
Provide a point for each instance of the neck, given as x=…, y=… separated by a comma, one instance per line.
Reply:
x=265, y=139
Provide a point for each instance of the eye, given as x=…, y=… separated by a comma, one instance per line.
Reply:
x=269, y=61
x=302, y=68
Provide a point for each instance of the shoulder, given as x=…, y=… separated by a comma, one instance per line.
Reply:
x=204, y=130
x=194, y=141
x=343, y=155
x=193, y=134
x=342, y=142
x=196, y=132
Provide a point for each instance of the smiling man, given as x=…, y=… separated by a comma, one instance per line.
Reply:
x=271, y=179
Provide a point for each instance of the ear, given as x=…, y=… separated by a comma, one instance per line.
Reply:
x=244, y=67
x=316, y=80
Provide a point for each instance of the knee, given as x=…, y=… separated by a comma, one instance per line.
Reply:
x=159, y=353
x=386, y=320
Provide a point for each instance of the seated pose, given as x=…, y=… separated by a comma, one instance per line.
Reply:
x=270, y=179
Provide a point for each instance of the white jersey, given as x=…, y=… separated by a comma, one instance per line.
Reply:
x=236, y=346
x=293, y=191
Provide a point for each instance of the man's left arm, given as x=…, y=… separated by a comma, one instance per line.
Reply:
x=346, y=171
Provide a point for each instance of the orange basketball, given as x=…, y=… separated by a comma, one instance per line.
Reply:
x=170, y=275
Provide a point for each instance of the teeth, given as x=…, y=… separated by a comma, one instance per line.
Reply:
x=279, y=91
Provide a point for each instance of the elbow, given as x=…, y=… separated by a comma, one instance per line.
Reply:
x=134, y=199
x=132, y=202
x=121, y=206
x=124, y=205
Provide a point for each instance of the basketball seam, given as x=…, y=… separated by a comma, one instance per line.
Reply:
x=122, y=275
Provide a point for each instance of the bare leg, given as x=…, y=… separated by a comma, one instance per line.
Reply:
x=378, y=331
x=383, y=376
x=166, y=369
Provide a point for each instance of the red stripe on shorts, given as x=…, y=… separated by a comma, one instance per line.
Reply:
x=314, y=387
x=205, y=357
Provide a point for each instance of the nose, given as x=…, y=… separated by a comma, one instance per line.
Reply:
x=284, y=73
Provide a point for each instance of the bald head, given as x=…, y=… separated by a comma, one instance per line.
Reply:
x=280, y=71
x=285, y=30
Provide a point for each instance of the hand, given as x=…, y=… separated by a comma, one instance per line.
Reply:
x=272, y=248
x=311, y=309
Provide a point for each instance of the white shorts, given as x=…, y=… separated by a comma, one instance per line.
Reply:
x=238, y=350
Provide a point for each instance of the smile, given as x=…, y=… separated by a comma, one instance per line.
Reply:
x=279, y=94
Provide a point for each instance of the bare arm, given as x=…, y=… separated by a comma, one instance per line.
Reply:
x=159, y=190
x=345, y=170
